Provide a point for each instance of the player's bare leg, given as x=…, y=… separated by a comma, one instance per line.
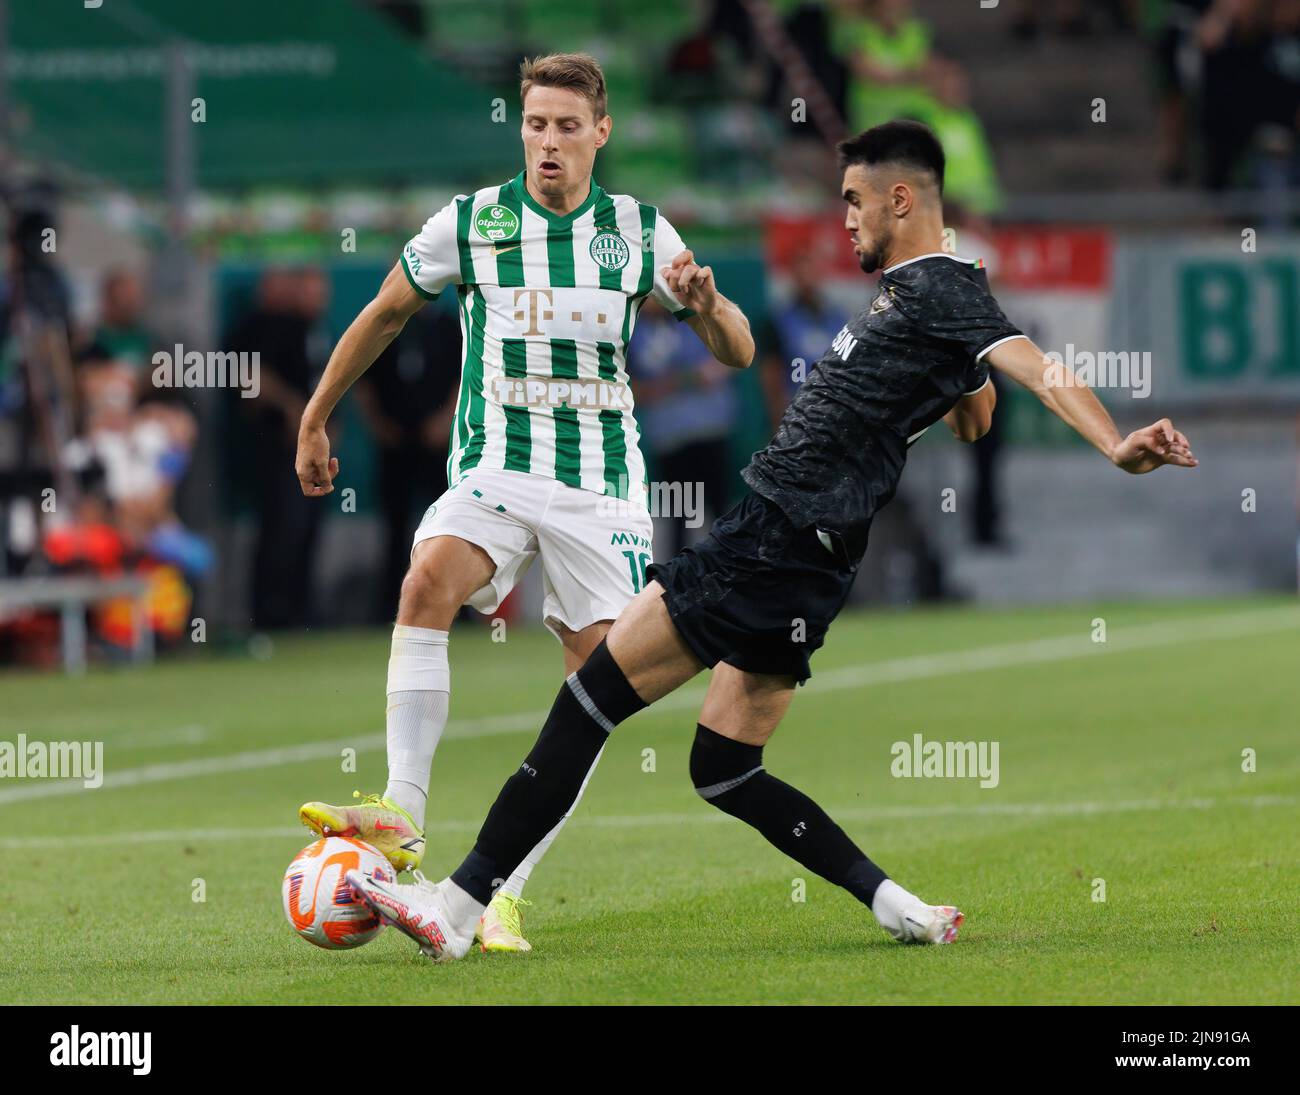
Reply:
x=643, y=659
x=593, y=700
x=649, y=649
x=501, y=928
x=444, y=572
x=740, y=713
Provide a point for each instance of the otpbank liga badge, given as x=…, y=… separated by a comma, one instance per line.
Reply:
x=496, y=223
x=609, y=249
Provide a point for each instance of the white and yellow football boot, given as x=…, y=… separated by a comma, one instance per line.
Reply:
x=501, y=928
x=378, y=821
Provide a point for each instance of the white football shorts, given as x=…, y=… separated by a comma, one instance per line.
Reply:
x=594, y=548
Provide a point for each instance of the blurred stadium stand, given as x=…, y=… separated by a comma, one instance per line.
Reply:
x=1169, y=227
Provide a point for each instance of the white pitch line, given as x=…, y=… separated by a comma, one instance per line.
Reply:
x=153, y=739
x=699, y=817
x=894, y=670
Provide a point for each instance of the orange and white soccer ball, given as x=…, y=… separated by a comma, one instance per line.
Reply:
x=320, y=904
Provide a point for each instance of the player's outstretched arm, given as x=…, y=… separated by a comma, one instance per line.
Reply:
x=1074, y=403
x=972, y=416
x=721, y=325
x=377, y=325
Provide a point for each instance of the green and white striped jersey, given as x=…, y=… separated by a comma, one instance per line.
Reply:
x=547, y=307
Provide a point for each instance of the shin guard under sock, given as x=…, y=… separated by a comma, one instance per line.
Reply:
x=591, y=703
x=729, y=774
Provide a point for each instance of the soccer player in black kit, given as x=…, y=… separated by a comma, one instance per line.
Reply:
x=919, y=352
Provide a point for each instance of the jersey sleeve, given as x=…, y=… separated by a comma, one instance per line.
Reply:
x=668, y=245
x=431, y=260
x=969, y=317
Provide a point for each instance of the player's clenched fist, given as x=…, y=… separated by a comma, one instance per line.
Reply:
x=315, y=467
x=1146, y=449
x=691, y=284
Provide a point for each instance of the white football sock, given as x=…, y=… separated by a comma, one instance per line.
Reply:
x=419, y=695
x=514, y=885
x=889, y=904
x=462, y=909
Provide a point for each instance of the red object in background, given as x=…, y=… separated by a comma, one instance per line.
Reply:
x=824, y=239
x=98, y=546
x=35, y=639
x=1028, y=256
x=1051, y=258
x=508, y=610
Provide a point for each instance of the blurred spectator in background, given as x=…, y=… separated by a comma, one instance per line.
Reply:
x=286, y=330
x=130, y=458
x=890, y=55
x=408, y=16
x=1229, y=73
x=715, y=76
x=687, y=407
x=897, y=73
x=121, y=335
x=1070, y=17
x=408, y=400
x=1171, y=28
x=800, y=329
x=1232, y=38
x=130, y=452
x=1279, y=168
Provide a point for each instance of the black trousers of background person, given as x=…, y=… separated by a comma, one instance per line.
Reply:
x=287, y=534
x=986, y=516
x=706, y=462
x=411, y=478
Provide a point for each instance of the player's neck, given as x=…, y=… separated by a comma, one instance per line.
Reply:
x=898, y=256
x=923, y=239
x=559, y=204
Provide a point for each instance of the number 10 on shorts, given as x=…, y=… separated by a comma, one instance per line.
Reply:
x=636, y=563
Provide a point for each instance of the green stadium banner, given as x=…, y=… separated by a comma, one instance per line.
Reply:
x=1220, y=318
x=300, y=92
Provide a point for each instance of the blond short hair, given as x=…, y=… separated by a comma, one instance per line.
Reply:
x=578, y=72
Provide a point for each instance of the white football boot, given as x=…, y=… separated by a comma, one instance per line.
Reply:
x=910, y=920
x=929, y=924
x=419, y=911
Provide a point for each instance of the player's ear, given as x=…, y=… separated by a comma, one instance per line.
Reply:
x=901, y=199
x=603, y=129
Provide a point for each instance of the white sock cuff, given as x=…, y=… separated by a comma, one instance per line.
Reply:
x=888, y=904
x=413, y=634
x=418, y=662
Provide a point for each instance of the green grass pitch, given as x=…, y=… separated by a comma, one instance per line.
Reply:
x=1119, y=761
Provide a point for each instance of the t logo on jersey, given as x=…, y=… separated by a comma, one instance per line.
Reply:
x=881, y=303
x=564, y=311
x=844, y=343
x=533, y=296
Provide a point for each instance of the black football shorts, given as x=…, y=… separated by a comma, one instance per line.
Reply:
x=757, y=592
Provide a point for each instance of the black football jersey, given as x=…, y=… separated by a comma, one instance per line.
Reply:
x=893, y=371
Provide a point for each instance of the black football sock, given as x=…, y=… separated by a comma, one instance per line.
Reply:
x=729, y=774
x=591, y=703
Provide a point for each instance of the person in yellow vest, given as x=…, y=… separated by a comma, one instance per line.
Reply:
x=895, y=72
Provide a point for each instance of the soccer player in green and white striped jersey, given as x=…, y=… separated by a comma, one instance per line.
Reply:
x=549, y=272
